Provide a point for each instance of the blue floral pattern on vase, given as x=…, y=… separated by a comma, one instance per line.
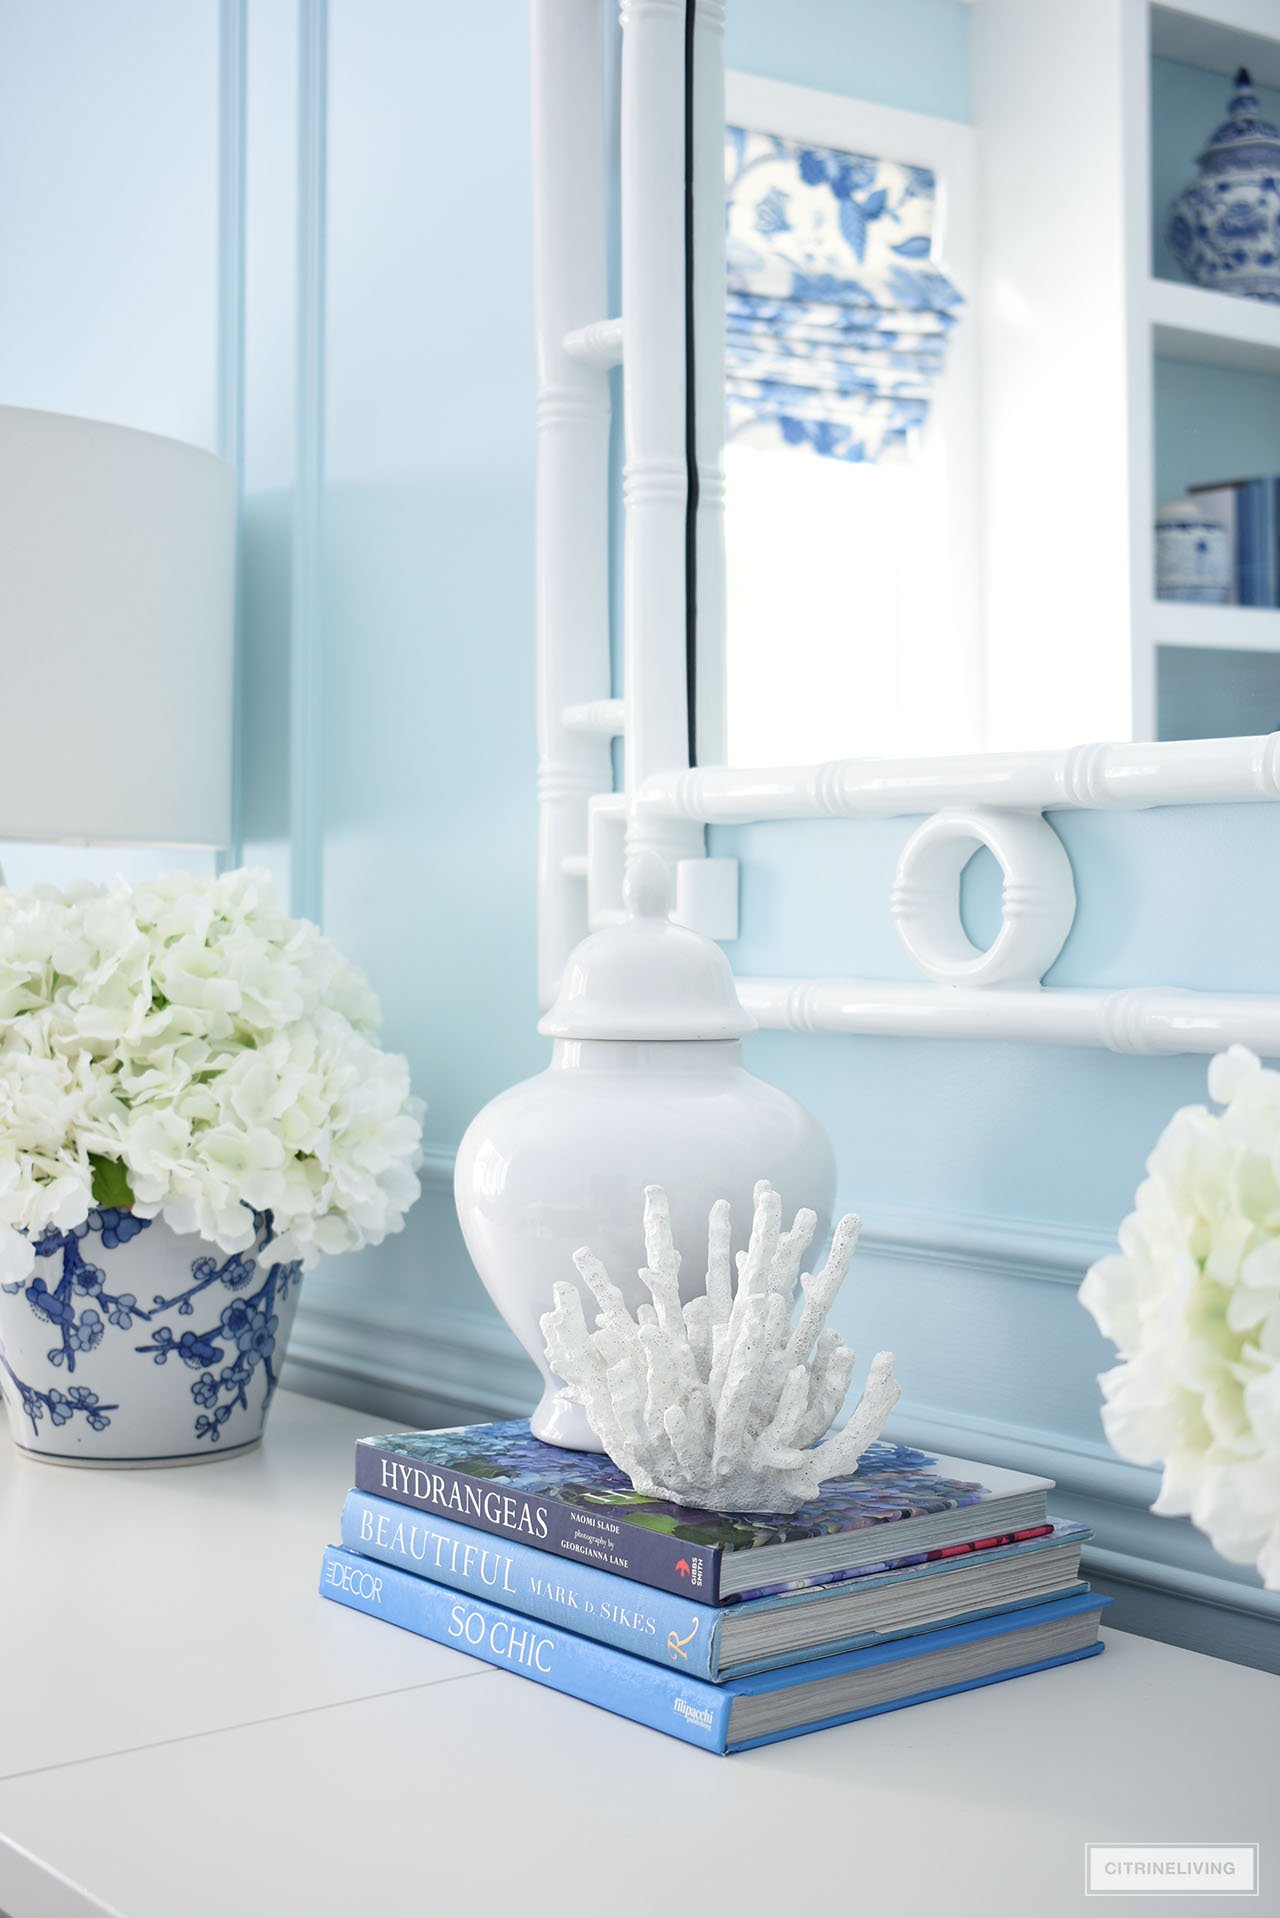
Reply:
x=77, y=1316
x=1224, y=229
x=837, y=315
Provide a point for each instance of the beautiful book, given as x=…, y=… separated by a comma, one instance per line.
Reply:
x=742, y=1712
x=715, y=1642
x=579, y=1505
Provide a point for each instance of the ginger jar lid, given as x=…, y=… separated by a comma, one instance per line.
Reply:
x=1244, y=137
x=1189, y=513
x=647, y=978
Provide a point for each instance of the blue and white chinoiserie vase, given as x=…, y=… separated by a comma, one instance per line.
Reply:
x=1225, y=228
x=132, y=1344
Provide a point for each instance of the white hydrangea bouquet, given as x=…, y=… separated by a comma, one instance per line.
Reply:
x=1192, y=1300
x=189, y=1081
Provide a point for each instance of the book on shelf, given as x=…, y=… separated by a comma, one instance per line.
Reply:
x=1220, y=501
x=742, y=1711
x=1250, y=511
x=580, y=1506
x=1255, y=546
x=836, y=1613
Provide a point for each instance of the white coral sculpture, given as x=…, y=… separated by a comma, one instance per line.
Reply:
x=720, y=1404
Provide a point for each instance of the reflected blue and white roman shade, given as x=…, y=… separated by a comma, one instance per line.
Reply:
x=837, y=320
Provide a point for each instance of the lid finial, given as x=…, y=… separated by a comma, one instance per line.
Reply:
x=646, y=889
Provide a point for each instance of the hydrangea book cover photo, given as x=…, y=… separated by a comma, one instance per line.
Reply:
x=194, y=1108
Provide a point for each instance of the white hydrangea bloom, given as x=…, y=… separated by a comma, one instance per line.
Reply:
x=218, y=1051
x=1192, y=1299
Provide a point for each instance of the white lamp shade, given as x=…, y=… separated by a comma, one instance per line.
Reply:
x=117, y=623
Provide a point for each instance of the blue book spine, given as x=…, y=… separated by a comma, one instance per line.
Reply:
x=1257, y=559
x=685, y=1708
x=649, y=1695
x=636, y=1618
x=565, y=1531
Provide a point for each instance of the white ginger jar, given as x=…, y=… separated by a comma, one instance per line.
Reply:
x=646, y=1086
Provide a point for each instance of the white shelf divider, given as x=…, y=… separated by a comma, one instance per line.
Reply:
x=1214, y=329
x=1220, y=35
x=1241, y=629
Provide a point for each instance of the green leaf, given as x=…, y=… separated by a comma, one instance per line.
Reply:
x=111, y=1182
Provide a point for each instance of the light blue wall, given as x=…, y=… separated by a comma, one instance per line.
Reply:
x=912, y=54
x=988, y=1174
x=1213, y=423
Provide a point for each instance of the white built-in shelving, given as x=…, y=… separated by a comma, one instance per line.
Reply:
x=1214, y=329
x=1172, y=320
x=1220, y=36
x=1244, y=629
x=1073, y=322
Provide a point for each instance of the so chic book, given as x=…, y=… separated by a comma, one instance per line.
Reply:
x=740, y=1712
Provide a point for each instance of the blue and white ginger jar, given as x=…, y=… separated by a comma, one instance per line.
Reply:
x=1225, y=228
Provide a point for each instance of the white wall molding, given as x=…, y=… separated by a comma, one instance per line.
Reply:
x=965, y=1241
x=233, y=26
x=1083, y=1467
x=437, y=1165
x=306, y=702
x=994, y=1247
x=1130, y=1545
x=455, y=1367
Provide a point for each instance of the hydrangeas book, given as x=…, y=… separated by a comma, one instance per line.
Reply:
x=901, y=1505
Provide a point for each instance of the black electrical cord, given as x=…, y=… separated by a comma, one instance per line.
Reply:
x=690, y=407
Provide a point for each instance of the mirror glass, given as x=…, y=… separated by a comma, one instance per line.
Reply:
x=1003, y=405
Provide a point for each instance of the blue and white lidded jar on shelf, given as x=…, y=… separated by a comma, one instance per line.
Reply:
x=1224, y=229
x=1193, y=555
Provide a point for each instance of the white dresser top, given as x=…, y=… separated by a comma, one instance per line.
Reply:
x=188, y=1731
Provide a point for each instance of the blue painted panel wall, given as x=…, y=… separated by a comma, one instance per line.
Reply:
x=988, y=1174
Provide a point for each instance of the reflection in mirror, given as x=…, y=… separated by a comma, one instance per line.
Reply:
x=850, y=400
x=1003, y=401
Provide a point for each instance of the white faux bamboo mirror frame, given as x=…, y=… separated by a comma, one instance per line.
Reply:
x=672, y=119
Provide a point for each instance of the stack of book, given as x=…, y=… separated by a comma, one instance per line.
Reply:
x=915, y=1577
x=1250, y=511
